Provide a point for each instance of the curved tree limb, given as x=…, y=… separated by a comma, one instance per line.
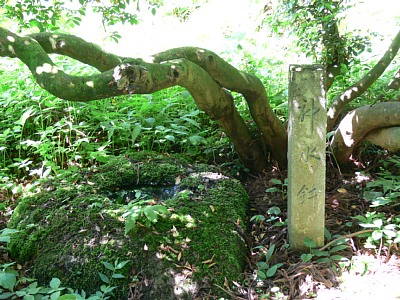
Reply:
x=362, y=85
x=394, y=84
x=220, y=106
x=78, y=49
x=132, y=76
x=359, y=123
x=388, y=138
x=273, y=132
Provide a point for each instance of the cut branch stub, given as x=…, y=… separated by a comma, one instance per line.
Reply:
x=130, y=78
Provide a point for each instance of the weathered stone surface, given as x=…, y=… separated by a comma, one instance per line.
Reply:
x=306, y=155
x=74, y=223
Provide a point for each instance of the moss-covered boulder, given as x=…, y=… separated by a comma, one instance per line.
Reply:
x=179, y=246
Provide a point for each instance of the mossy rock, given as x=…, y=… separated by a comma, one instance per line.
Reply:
x=72, y=227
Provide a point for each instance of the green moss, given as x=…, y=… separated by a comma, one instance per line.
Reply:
x=126, y=172
x=69, y=227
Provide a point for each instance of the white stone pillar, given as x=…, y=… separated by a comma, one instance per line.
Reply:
x=306, y=155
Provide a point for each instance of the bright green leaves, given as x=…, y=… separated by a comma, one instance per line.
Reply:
x=384, y=190
x=8, y=279
x=144, y=210
x=381, y=231
x=264, y=268
x=326, y=254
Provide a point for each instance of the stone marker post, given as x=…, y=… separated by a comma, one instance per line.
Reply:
x=306, y=155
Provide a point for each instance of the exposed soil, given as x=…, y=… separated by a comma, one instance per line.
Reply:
x=377, y=278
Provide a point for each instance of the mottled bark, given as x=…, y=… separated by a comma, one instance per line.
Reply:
x=357, y=124
x=273, y=133
x=394, y=84
x=387, y=138
x=362, y=85
x=77, y=48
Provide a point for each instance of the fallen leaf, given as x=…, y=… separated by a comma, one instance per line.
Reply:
x=226, y=283
x=208, y=260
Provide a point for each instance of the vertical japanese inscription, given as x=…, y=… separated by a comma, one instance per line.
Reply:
x=306, y=155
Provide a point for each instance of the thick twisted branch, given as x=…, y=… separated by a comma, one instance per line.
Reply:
x=273, y=132
x=362, y=85
x=359, y=123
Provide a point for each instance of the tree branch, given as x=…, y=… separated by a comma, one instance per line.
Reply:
x=145, y=78
x=273, y=132
x=77, y=48
x=387, y=138
x=217, y=103
x=361, y=121
x=362, y=85
x=394, y=84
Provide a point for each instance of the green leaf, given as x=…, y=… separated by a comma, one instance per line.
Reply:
x=276, y=181
x=121, y=264
x=272, y=190
x=361, y=218
x=327, y=234
x=130, y=223
x=6, y=295
x=271, y=271
x=376, y=235
x=389, y=233
x=104, y=278
x=161, y=209
x=261, y=275
x=55, y=295
x=135, y=132
x=275, y=210
x=309, y=243
x=337, y=257
x=8, y=280
x=5, y=239
x=68, y=297
x=55, y=283
x=338, y=248
x=257, y=218
x=24, y=117
x=323, y=260
x=108, y=265
x=150, y=214
x=270, y=252
x=117, y=276
x=339, y=241
x=306, y=257
x=262, y=265
x=320, y=253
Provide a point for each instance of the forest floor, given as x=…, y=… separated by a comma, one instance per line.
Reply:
x=372, y=274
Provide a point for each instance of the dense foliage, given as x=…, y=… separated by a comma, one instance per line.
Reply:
x=42, y=136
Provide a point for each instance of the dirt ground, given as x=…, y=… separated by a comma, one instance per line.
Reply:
x=372, y=275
